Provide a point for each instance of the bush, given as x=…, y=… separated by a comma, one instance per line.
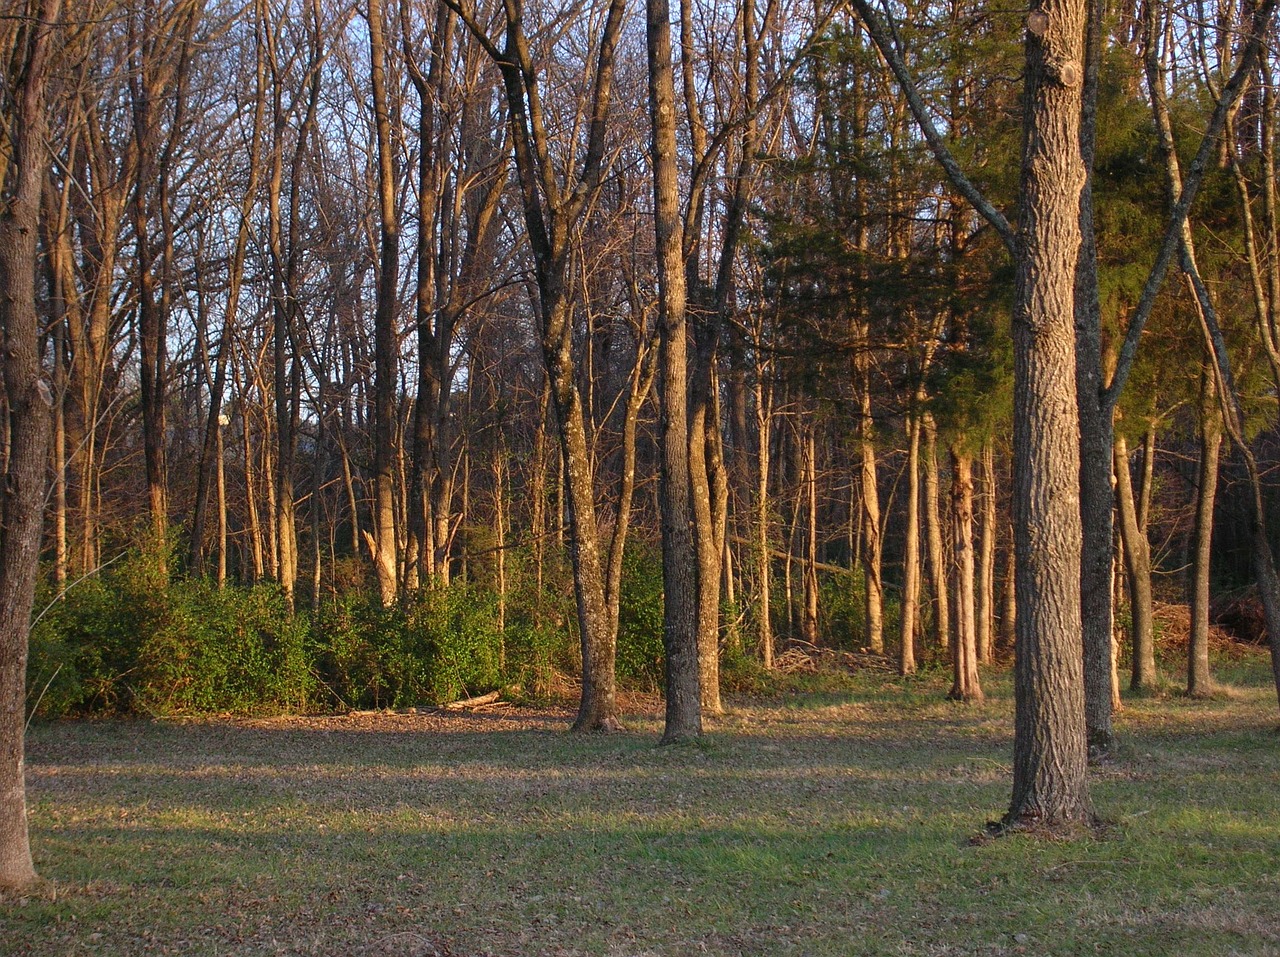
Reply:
x=442, y=644
x=129, y=640
x=230, y=649
x=640, y=611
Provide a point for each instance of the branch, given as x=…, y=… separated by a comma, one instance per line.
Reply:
x=937, y=143
x=1178, y=216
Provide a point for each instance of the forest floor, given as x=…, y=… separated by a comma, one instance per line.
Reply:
x=845, y=820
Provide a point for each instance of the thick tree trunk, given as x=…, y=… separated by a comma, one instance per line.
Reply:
x=1137, y=559
x=1199, y=682
x=1050, y=753
x=679, y=559
x=1096, y=433
x=22, y=493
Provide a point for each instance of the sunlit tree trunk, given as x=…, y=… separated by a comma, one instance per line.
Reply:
x=911, y=553
x=1050, y=754
x=1199, y=682
x=1137, y=559
x=680, y=567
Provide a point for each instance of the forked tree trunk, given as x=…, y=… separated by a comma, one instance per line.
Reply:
x=1137, y=558
x=29, y=400
x=871, y=530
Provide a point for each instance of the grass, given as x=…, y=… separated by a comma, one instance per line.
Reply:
x=841, y=822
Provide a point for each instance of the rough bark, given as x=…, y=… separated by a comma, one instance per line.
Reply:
x=679, y=559
x=964, y=647
x=1050, y=754
x=29, y=399
x=382, y=543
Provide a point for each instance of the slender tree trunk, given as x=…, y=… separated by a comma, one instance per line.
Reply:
x=871, y=530
x=937, y=563
x=764, y=561
x=809, y=478
x=964, y=648
x=911, y=553
x=679, y=559
x=1137, y=558
x=986, y=585
x=1199, y=682
x=382, y=544
x=29, y=400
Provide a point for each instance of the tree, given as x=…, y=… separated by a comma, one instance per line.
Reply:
x=680, y=568
x=1050, y=755
x=28, y=400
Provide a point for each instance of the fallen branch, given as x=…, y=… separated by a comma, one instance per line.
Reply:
x=489, y=698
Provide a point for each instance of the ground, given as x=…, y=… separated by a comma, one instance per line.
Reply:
x=841, y=821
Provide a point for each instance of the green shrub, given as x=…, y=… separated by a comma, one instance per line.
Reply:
x=440, y=645
x=640, y=611
x=231, y=649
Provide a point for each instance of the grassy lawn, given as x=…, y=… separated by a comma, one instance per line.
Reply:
x=840, y=822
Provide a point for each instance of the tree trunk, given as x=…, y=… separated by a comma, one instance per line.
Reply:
x=382, y=543
x=937, y=563
x=809, y=478
x=1137, y=558
x=764, y=567
x=986, y=585
x=964, y=648
x=911, y=553
x=1096, y=433
x=871, y=530
x=29, y=400
x=1050, y=754
x=679, y=559
x=1199, y=682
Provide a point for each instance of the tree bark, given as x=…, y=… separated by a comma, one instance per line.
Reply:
x=679, y=560
x=1137, y=559
x=29, y=399
x=937, y=563
x=986, y=587
x=386, y=352
x=1199, y=681
x=911, y=553
x=1050, y=754
x=966, y=686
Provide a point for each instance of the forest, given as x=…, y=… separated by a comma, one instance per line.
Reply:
x=386, y=354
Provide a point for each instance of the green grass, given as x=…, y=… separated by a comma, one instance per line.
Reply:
x=841, y=822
